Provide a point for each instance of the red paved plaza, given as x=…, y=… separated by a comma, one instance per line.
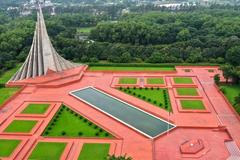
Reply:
x=209, y=134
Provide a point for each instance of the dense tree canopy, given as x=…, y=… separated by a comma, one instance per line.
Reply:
x=206, y=35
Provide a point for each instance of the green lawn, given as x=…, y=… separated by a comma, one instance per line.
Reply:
x=23, y=126
x=156, y=96
x=127, y=80
x=126, y=68
x=48, y=151
x=7, y=147
x=5, y=93
x=70, y=124
x=4, y=78
x=155, y=81
x=183, y=80
x=192, y=104
x=187, y=91
x=231, y=91
x=94, y=152
x=36, y=109
x=85, y=29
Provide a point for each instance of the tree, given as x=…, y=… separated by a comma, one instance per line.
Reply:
x=126, y=57
x=217, y=79
x=184, y=35
x=233, y=55
x=227, y=71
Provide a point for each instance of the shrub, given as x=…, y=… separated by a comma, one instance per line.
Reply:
x=149, y=100
x=155, y=102
x=85, y=120
x=80, y=133
x=216, y=79
x=80, y=117
x=55, y=120
x=139, y=95
x=72, y=112
x=160, y=104
x=63, y=133
x=49, y=128
x=223, y=90
x=52, y=124
x=63, y=106
x=146, y=88
x=140, y=88
x=143, y=97
x=106, y=134
x=90, y=123
x=134, y=87
x=100, y=130
x=46, y=133
x=68, y=109
x=128, y=87
x=76, y=114
x=97, y=134
x=95, y=127
x=152, y=88
x=129, y=92
x=113, y=157
x=120, y=88
x=125, y=90
x=158, y=88
x=134, y=93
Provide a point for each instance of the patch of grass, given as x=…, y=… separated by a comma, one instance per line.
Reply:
x=4, y=78
x=36, y=109
x=5, y=93
x=68, y=123
x=85, y=29
x=231, y=91
x=48, y=150
x=192, y=104
x=156, y=96
x=129, y=68
x=155, y=81
x=183, y=80
x=23, y=126
x=94, y=151
x=127, y=81
x=7, y=147
x=187, y=91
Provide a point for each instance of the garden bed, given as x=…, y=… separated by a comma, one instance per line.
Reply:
x=48, y=150
x=156, y=96
x=93, y=151
x=68, y=123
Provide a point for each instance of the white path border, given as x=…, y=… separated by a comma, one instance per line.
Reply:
x=130, y=126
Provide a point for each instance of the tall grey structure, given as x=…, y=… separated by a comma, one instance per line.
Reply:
x=42, y=56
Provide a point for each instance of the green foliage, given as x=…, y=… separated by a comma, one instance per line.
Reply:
x=216, y=79
x=237, y=100
x=113, y=157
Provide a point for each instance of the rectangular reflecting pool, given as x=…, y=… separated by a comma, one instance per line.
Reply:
x=135, y=118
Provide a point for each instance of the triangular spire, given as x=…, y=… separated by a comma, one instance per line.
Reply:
x=42, y=56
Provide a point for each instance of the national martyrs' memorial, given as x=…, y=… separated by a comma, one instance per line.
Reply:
x=65, y=111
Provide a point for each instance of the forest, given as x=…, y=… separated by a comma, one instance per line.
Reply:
x=198, y=36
